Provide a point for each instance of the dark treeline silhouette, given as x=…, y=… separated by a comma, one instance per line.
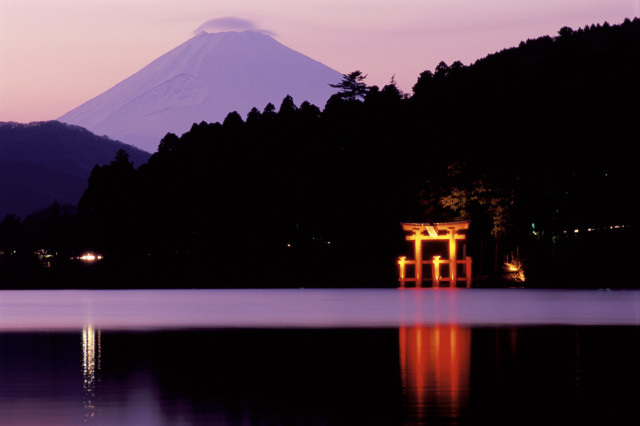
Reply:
x=531, y=144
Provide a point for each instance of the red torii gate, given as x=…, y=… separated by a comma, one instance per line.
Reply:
x=448, y=231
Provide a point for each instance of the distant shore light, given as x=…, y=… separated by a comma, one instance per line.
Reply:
x=90, y=257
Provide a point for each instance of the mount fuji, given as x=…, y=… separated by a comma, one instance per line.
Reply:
x=203, y=79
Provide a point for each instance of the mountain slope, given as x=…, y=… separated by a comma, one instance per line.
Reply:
x=47, y=161
x=203, y=79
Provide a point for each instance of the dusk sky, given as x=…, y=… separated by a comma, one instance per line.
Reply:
x=56, y=55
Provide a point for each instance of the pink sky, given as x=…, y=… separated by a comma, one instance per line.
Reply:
x=56, y=55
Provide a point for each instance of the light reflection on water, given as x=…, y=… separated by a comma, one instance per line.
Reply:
x=413, y=375
x=414, y=371
x=91, y=354
x=435, y=370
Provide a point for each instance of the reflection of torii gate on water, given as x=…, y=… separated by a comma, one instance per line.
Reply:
x=448, y=231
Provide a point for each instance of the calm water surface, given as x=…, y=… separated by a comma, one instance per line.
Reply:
x=319, y=357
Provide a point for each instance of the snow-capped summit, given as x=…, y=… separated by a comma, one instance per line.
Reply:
x=204, y=79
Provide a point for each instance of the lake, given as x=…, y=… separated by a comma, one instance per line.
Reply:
x=319, y=357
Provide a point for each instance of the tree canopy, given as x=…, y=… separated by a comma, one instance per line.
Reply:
x=352, y=87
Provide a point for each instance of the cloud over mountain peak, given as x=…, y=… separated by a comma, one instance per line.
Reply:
x=231, y=23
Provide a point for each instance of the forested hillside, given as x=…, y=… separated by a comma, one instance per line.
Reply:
x=532, y=144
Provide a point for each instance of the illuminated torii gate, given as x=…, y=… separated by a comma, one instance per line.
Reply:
x=448, y=231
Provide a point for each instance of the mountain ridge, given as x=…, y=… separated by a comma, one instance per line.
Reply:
x=46, y=161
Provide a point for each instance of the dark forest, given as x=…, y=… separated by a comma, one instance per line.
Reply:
x=533, y=144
